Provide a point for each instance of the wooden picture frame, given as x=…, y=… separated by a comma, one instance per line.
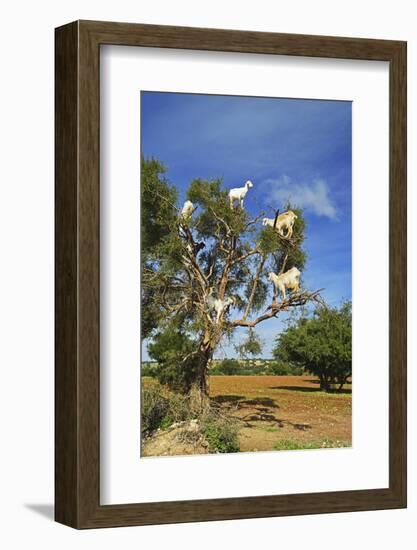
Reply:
x=77, y=382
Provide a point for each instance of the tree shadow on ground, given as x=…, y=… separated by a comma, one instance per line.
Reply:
x=261, y=401
x=227, y=399
x=301, y=427
x=261, y=416
x=258, y=409
x=318, y=381
x=312, y=390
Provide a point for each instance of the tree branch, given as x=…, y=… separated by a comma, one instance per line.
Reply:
x=254, y=287
x=294, y=300
x=254, y=221
x=244, y=256
x=218, y=218
x=284, y=263
x=225, y=275
x=188, y=237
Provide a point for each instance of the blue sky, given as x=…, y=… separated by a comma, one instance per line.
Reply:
x=289, y=148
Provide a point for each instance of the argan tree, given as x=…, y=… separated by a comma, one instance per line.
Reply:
x=181, y=278
x=321, y=344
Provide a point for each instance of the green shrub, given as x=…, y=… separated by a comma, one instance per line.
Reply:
x=221, y=436
x=252, y=367
x=169, y=348
x=325, y=443
x=282, y=368
x=321, y=344
x=148, y=369
x=160, y=408
x=179, y=407
x=165, y=422
x=226, y=367
x=154, y=408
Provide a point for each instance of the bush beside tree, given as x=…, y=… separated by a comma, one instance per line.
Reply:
x=322, y=345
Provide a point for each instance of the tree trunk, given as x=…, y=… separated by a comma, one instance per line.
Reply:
x=206, y=350
x=342, y=382
x=324, y=383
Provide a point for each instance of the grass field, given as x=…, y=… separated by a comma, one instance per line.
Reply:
x=283, y=412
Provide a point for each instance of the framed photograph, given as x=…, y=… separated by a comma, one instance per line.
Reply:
x=230, y=274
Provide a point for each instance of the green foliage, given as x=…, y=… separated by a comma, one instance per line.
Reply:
x=161, y=408
x=324, y=443
x=227, y=367
x=182, y=407
x=221, y=435
x=259, y=367
x=251, y=346
x=158, y=198
x=268, y=240
x=169, y=348
x=280, y=249
x=166, y=422
x=281, y=368
x=259, y=299
x=297, y=256
x=158, y=215
x=148, y=369
x=154, y=408
x=151, y=312
x=215, y=209
x=321, y=344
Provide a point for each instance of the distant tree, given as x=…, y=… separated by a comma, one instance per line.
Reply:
x=148, y=369
x=279, y=368
x=322, y=345
x=180, y=278
x=251, y=346
x=228, y=367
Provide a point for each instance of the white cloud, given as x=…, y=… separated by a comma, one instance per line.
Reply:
x=313, y=197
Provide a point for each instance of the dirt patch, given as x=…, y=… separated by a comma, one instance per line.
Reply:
x=272, y=409
x=183, y=438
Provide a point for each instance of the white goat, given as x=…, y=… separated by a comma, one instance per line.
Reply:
x=284, y=221
x=187, y=210
x=239, y=193
x=290, y=279
x=219, y=305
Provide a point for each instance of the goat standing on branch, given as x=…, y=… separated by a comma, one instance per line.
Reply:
x=283, y=221
x=187, y=210
x=219, y=306
x=239, y=193
x=290, y=279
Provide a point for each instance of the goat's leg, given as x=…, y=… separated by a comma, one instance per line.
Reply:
x=284, y=295
x=219, y=312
